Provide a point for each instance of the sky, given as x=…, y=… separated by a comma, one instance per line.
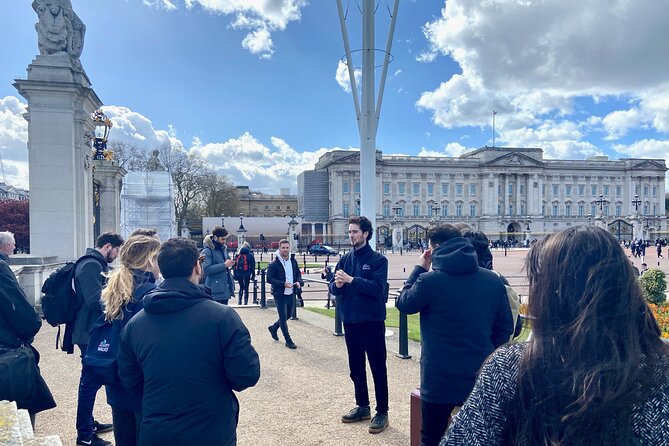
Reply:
x=257, y=87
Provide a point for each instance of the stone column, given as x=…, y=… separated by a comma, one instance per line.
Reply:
x=506, y=195
x=60, y=101
x=110, y=176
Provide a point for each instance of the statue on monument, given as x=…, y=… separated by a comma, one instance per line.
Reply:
x=153, y=164
x=59, y=29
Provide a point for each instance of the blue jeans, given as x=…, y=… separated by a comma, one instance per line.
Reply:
x=85, y=401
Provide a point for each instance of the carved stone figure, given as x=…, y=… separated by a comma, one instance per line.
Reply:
x=59, y=29
x=153, y=164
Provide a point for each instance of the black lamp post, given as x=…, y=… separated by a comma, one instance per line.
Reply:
x=223, y=220
x=241, y=223
x=102, y=126
x=636, y=202
x=601, y=202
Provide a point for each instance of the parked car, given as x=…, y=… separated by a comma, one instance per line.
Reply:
x=322, y=250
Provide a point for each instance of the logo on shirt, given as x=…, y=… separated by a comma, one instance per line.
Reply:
x=104, y=346
x=366, y=267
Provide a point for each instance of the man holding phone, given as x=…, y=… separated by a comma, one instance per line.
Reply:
x=285, y=277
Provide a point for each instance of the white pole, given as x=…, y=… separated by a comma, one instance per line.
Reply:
x=368, y=134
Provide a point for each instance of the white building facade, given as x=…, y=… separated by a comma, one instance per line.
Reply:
x=510, y=194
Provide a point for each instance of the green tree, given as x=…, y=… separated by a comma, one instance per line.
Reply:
x=654, y=284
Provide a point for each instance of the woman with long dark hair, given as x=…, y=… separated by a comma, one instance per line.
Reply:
x=595, y=371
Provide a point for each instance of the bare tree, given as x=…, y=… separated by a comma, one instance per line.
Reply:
x=220, y=196
x=129, y=156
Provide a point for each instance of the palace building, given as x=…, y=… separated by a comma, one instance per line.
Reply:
x=511, y=194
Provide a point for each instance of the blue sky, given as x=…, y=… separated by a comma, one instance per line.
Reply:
x=255, y=87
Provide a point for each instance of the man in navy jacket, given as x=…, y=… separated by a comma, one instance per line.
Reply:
x=188, y=354
x=464, y=317
x=285, y=277
x=360, y=281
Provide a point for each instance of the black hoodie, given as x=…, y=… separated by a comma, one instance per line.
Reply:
x=188, y=353
x=464, y=316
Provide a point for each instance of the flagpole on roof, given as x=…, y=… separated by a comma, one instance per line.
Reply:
x=493, y=127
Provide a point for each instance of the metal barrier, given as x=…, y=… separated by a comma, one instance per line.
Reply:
x=263, y=299
x=403, y=350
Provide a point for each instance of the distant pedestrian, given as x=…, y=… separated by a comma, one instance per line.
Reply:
x=187, y=355
x=360, y=283
x=19, y=323
x=245, y=264
x=217, y=264
x=285, y=277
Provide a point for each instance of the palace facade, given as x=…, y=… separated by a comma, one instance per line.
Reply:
x=508, y=193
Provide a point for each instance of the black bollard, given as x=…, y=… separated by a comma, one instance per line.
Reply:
x=263, y=299
x=404, y=337
x=255, y=290
x=339, y=329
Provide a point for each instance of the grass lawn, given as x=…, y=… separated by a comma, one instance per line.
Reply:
x=392, y=320
x=264, y=264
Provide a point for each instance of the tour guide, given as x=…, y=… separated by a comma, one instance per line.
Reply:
x=360, y=282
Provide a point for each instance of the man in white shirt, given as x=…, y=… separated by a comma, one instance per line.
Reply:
x=285, y=277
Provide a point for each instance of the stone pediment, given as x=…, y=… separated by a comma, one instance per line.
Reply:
x=649, y=165
x=513, y=159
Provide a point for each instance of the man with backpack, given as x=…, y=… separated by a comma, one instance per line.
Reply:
x=361, y=283
x=89, y=279
x=464, y=317
x=217, y=264
x=244, y=271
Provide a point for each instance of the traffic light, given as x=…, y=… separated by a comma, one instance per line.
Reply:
x=295, y=236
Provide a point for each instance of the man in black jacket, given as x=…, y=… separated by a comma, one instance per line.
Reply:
x=285, y=277
x=19, y=323
x=360, y=279
x=187, y=353
x=88, y=282
x=464, y=316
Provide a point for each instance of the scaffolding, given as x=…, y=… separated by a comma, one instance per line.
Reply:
x=147, y=202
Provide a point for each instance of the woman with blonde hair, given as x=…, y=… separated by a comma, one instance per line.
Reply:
x=122, y=299
x=595, y=372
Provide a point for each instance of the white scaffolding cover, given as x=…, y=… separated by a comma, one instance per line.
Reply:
x=147, y=202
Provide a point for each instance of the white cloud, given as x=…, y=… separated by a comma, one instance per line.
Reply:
x=259, y=42
x=261, y=17
x=546, y=55
x=559, y=140
x=247, y=161
x=452, y=149
x=134, y=128
x=344, y=80
x=13, y=129
x=646, y=148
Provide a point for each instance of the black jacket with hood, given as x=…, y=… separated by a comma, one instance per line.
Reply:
x=464, y=316
x=187, y=354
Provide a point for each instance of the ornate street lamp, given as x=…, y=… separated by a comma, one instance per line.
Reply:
x=435, y=215
x=241, y=232
x=222, y=220
x=102, y=126
x=601, y=202
x=636, y=202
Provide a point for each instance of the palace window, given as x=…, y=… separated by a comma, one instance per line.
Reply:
x=593, y=191
x=567, y=210
x=619, y=191
x=345, y=210
x=444, y=210
x=416, y=210
x=606, y=191
x=416, y=188
x=554, y=211
x=458, y=189
x=581, y=210
x=386, y=210
x=567, y=190
x=458, y=210
x=556, y=190
x=472, y=190
x=618, y=210
x=386, y=188
x=581, y=190
x=401, y=187
x=344, y=187
x=430, y=188
x=357, y=187
x=472, y=210
x=444, y=188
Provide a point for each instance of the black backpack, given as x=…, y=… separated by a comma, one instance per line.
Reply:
x=60, y=302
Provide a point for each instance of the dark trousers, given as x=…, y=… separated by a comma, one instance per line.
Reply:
x=434, y=422
x=368, y=338
x=244, y=282
x=284, y=306
x=85, y=401
x=126, y=426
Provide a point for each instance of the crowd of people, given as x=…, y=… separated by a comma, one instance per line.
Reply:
x=594, y=372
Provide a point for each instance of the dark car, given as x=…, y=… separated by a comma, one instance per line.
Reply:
x=322, y=250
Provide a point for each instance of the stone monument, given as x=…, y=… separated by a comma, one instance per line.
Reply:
x=60, y=102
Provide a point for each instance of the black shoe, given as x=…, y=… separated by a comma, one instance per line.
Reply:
x=93, y=441
x=273, y=331
x=290, y=344
x=379, y=423
x=356, y=414
x=101, y=428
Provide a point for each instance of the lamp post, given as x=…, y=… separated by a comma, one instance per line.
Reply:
x=600, y=219
x=292, y=234
x=528, y=230
x=222, y=220
x=589, y=219
x=241, y=232
x=636, y=201
x=397, y=228
x=435, y=215
x=102, y=126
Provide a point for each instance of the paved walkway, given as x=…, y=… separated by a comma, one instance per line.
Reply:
x=299, y=399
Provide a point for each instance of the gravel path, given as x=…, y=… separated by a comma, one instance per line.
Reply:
x=299, y=399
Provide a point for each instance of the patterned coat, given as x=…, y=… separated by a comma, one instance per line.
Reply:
x=483, y=417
